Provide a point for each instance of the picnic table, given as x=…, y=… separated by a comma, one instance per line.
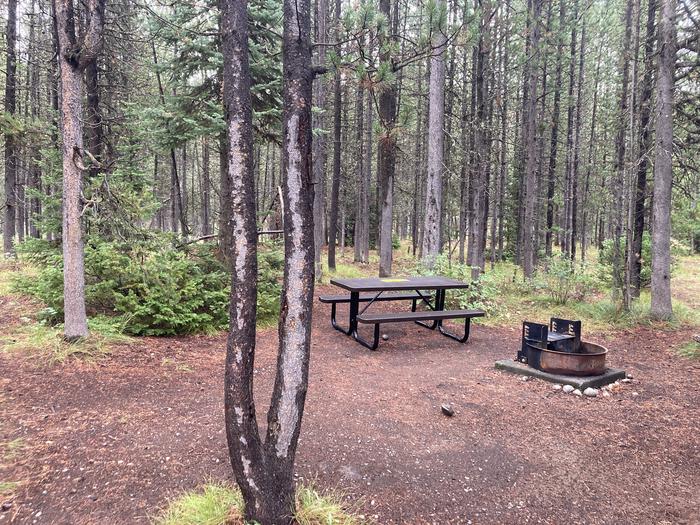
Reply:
x=429, y=291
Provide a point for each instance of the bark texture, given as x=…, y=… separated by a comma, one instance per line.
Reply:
x=75, y=55
x=436, y=142
x=10, y=142
x=663, y=166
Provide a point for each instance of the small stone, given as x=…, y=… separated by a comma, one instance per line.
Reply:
x=385, y=337
x=606, y=393
x=590, y=392
x=525, y=378
x=577, y=392
x=6, y=505
x=567, y=389
x=626, y=380
x=447, y=409
x=635, y=393
x=556, y=387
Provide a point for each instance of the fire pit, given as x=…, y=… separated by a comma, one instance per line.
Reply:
x=558, y=349
x=556, y=353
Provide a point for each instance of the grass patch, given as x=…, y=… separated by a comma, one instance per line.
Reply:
x=177, y=365
x=222, y=504
x=47, y=343
x=11, y=449
x=215, y=504
x=689, y=350
x=8, y=487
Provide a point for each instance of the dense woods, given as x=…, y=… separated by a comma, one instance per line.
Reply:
x=181, y=143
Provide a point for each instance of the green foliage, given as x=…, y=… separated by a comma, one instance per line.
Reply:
x=219, y=504
x=216, y=504
x=153, y=288
x=563, y=280
x=482, y=292
x=395, y=242
x=690, y=350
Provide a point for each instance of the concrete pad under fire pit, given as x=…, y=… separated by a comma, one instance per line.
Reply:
x=610, y=376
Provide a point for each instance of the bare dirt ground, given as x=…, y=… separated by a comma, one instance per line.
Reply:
x=111, y=442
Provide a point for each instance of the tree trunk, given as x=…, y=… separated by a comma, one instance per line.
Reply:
x=74, y=57
x=436, y=141
x=206, y=190
x=663, y=166
x=530, y=146
x=319, y=144
x=644, y=147
x=387, y=149
x=362, y=214
x=335, y=186
x=577, y=144
x=620, y=151
x=10, y=142
x=264, y=470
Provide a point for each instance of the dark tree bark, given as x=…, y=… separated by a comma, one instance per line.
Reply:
x=76, y=53
x=337, y=120
x=10, y=141
x=386, y=150
x=644, y=147
x=264, y=470
x=663, y=166
x=93, y=119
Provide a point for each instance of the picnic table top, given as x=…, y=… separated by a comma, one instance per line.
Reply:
x=376, y=284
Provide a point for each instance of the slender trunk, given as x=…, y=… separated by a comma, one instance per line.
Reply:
x=644, y=147
x=362, y=202
x=387, y=150
x=620, y=151
x=663, y=166
x=577, y=143
x=436, y=143
x=206, y=190
x=10, y=142
x=335, y=186
x=319, y=144
x=529, y=135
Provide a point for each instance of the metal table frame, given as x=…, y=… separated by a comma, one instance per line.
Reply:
x=416, y=284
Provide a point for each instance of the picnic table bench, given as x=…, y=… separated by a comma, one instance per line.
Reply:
x=410, y=288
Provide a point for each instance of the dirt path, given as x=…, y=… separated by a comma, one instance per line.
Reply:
x=109, y=443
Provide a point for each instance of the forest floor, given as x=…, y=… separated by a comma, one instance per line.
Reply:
x=110, y=441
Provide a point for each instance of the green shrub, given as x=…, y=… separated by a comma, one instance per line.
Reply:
x=482, y=292
x=155, y=288
x=563, y=279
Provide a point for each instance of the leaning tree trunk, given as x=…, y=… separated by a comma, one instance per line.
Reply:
x=663, y=167
x=74, y=56
x=10, y=143
x=436, y=142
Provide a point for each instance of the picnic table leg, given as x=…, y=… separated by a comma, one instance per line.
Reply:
x=467, y=325
x=439, y=305
x=352, y=322
x=354, y=309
